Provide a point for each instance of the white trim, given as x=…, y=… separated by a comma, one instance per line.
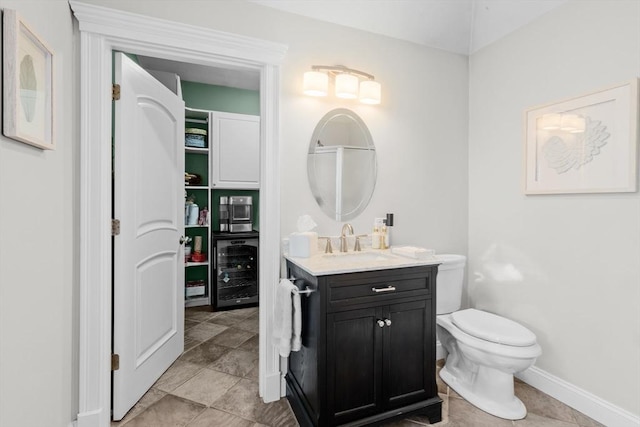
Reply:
x=579, y=399
x=269, y=229
x=101, y=31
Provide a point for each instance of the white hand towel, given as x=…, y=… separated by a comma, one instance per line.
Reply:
x=296, y=336
x=287, y=321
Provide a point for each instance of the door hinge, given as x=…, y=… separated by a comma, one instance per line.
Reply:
x=115, y=91
x=115, y=227
x=115, y=362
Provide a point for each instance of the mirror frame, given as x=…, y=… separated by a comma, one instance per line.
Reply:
x=311, y=167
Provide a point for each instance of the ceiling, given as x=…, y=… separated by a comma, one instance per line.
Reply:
x=458, y=26
x=230, y=77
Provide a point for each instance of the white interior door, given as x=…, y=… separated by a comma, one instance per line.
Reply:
x=148, y=291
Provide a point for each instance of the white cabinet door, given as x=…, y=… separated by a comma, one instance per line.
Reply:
x=235, y=150
x=148, y=289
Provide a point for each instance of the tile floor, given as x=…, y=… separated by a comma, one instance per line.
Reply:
x=215, y=383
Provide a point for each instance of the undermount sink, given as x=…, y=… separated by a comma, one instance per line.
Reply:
x=358, y=258
x=369, y=260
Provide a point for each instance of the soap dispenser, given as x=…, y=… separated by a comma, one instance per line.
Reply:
x=388, y=222
x=375, y=238
x=384, y=236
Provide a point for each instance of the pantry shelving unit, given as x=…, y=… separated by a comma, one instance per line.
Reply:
x=197, y=274
x=229, y=163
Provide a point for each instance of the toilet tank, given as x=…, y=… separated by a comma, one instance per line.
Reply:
x=449, y=283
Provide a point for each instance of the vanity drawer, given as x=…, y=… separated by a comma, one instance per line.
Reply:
x=373, y=286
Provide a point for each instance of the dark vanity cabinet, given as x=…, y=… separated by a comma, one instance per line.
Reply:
x=368, y=347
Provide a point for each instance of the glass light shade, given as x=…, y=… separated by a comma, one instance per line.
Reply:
x=550, y=121
x=370, y=91
x=572, y=123
x=315, y=83
x=346, y=86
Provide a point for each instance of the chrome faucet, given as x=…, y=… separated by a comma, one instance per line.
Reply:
x=343, y=238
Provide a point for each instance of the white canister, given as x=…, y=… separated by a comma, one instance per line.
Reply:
x=193, y=214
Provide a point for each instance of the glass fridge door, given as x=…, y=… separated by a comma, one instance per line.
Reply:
x=236, y=272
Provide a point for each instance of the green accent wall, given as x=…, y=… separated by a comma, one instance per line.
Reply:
x=197, y=164
x=220, y=98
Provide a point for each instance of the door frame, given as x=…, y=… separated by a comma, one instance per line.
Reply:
x=103, y=30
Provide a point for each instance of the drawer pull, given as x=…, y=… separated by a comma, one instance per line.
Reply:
x=387, y=289
x=380, y=323
x=387, y=322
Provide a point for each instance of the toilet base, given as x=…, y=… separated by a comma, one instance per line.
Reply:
x=490, y=390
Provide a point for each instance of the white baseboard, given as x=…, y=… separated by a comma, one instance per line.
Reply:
x=272, y=388
x=580, y=400
x=91, y=419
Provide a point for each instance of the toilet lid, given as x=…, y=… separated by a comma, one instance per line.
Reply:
x=491, y=327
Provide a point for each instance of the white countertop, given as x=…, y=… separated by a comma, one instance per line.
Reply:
x=350, y=262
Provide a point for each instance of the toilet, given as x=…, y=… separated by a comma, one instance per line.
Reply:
x=484, y=350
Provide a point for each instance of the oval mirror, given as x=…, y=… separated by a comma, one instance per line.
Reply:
x=341, y=164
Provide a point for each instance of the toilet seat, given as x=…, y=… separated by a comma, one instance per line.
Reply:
x=493, y=328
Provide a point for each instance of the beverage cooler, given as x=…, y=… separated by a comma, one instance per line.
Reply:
x=235, y=269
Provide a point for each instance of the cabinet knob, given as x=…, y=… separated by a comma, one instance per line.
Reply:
x=387, y=322
x=380, y=323
x=182, y=240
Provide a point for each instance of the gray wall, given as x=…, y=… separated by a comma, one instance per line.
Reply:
x=566, y=266
x=38, y=247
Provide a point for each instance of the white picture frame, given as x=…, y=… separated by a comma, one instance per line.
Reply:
x=586, y=144
x=27, y=84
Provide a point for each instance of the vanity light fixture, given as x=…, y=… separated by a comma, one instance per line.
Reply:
x=349, y=83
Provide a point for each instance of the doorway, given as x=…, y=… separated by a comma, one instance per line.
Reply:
x=101, y=31
x=220, y=347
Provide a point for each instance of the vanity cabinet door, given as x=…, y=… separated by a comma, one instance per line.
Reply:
x=379, y=359
x=354, y=362
x=409, y=371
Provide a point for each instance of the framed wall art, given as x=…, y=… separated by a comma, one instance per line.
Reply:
x=28, y=84
x=586, y=144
